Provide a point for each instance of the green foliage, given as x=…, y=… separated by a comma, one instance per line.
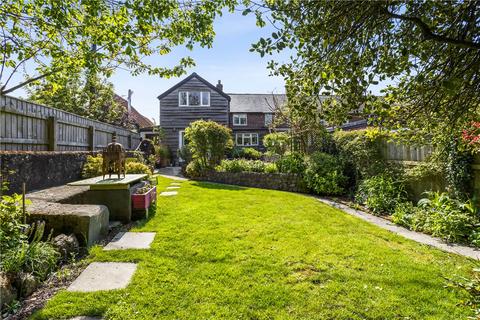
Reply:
x=471, y=286
x=458, y=172
x=291, y=163
x=244, y=165
x=194, y=169
x=92, y=167
x=61, y=38
x=84, y=94
x=246, y=153
x=404, y=214
x=11, y=222
x=324, y=174
x=185, y=154
x=208, y=141
x=381, y=194
x=427, y=47
x=137, y=167
x=277, y=142
x=360, y=152
x=162, y=151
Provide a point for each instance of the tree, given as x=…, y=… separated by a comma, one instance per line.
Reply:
x=42, y=38
x=84, y=94
x=208, y=142
x=429, y=50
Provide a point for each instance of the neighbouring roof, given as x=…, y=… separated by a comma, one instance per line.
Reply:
x=136, y=116
x=253, y=102
x=194, y=75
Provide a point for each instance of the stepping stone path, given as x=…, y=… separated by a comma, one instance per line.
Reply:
x=131, y=240
x=104, y=276
x=173, y=188
x=168, y=193
x=85, y=318
x=174, y=184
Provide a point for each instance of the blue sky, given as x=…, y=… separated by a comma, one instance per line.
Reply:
x=228, y=60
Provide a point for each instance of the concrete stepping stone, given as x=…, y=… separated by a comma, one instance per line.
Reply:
x=131, y=240
x=104, y=276
x=173, y=188
x=175, y=184
x=168, y=193
x=85, y=318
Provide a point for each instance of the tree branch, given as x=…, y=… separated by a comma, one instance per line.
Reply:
x=24, y=83
x=428, y=34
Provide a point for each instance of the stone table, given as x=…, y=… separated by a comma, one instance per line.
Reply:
x=116, y=194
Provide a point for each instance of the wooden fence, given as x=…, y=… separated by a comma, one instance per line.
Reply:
x=27, y=126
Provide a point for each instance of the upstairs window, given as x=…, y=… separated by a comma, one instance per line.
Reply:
x=193, y=98
x=239, y=119
x=268, y=119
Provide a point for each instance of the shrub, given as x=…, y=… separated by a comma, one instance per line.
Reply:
x=324, y=174
x=251, y=153
x=194, y=169
x=271, y=167
x=448, y=218
x=242, y=165
x=137, y=167
x=277, y=142
x=404, y=214
x=208, y=142
x=381, y=194
x=185, y=154
x=361, y=152
x=93, y=167
x=291, y=163
x=11, y=222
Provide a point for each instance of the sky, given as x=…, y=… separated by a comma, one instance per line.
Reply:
x=229, y=60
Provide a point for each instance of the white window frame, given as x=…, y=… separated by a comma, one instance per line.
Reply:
x=271, y=119
x=250, y=136
x=181, y=139
x=238, y=116
x=202, y=93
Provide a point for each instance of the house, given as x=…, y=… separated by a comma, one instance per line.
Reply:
x=194, y=98
x=132, y=116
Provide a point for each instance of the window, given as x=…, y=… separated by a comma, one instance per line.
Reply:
x=268, y=119
x=239, y=119
x=246, y=139
x=181, y=139
x=193, y=98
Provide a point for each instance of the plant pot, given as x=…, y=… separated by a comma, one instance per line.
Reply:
x=143, y=201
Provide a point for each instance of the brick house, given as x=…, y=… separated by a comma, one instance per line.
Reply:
x=194, y=98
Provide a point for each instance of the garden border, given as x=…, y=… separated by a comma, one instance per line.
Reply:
x=422, y=238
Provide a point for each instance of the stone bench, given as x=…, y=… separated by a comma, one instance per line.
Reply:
x=61, y=210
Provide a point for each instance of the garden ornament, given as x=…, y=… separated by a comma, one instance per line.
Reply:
x=113, y=159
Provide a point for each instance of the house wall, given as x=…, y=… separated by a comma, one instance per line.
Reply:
x=255, y=124
x=174, y=118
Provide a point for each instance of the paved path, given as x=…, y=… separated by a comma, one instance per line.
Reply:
x=131, y=240
x=412, y=235
x=174, y=173
x=104, y=276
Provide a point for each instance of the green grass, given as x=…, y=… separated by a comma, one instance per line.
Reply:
x=224, y=252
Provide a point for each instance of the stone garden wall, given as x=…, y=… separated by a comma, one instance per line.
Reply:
x=41, y=169
x=275, y=181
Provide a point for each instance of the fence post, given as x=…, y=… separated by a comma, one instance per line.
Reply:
x=91, y=138
x=52, y=133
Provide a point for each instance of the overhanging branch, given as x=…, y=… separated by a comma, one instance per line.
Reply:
x=428, y=34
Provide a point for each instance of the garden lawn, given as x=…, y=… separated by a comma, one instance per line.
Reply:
x=225, y=252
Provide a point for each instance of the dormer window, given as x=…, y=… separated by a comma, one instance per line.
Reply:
x=194, y=98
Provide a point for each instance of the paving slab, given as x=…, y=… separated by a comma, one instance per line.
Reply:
x=85, y=318
x=104, y=276
x=168, y=193
x=173, y=188
x=412, y=235
x=175, y=184
x=131, y=240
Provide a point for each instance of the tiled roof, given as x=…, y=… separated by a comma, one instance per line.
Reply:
x=253, y=102
x=136, y=116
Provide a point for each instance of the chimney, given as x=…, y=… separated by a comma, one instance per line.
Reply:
x=129, y=100
x=220, y=85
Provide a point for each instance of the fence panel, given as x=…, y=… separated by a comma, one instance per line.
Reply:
x=27, y=126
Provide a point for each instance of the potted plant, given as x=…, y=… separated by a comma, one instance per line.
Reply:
x=143, y=197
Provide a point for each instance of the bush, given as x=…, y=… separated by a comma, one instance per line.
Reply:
x=93, y=167
x=194, y=169
x=291, y=163
x=243, y=165
x=137, y=167
x=404, y=214
x=361, y=152
x=381, y=194
x=324, y=174
x=11, y=222
x=277, y=142
x=448, y=218
x=246, y=153
x=185, y=154
x=208, y=142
